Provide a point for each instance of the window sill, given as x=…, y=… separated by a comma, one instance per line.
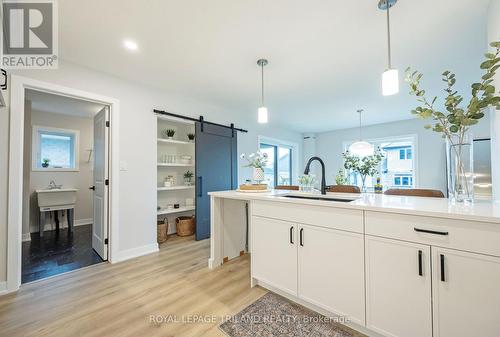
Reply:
x=55, y=170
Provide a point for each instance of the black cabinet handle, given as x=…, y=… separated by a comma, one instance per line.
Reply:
x=420, y=264
x=429, y=231
x=92, y=188
x=302, y=237
x=441, y=257
x=291, y=235
x=200, y=186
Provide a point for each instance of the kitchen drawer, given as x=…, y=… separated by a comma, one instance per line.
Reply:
x=329, y=217
x=478, y=237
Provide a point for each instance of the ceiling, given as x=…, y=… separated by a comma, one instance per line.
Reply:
x=325, y=56
x=42, y=101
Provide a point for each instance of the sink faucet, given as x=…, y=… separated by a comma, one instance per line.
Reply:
x=308, y=168
x=52, y=185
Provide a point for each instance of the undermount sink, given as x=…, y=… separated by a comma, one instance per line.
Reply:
x=56, y=197
x=323, y=197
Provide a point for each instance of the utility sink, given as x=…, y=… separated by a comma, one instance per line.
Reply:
x=322, y=197
x=56, y=197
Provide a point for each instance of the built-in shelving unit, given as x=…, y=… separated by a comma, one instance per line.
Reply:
x=175, y=165
x=175, y=188
x=179, y=192
x=165, y=211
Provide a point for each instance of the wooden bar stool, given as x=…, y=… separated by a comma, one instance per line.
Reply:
x=415, y=192
x=343, y=189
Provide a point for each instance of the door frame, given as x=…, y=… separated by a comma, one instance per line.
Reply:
x=18, y=85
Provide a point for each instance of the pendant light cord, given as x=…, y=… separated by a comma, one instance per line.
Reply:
x=360, y=135
x=388, y=35
x=262, y=77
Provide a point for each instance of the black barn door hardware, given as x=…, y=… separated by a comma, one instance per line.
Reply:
x=200, y=119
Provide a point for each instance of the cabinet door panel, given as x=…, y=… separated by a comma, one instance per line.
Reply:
x=398, y=288
x=274, y=256
x=467, y=300
x=331, y=271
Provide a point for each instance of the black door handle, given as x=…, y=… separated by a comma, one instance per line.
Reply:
x=420, y=264
x=302, y=237
x=429, y=231
x=200, y=186
x=441, y=257
x=92, y=188
x=291, y=235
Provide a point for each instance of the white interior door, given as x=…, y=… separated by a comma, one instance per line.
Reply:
x=100, y=198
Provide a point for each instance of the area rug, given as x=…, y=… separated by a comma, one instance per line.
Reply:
x=275, y=316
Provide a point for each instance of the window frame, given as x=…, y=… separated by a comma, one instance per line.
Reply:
x=397, y=138
x=36, y=151
x=276, y=143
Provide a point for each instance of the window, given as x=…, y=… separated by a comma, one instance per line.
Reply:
x=54, y=149
x=397, y=170
x=278, y=170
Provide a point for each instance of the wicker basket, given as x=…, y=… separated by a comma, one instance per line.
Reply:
x=185, y=225
x=162, y=229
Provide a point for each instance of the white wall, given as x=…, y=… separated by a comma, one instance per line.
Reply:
x=431, y=160
x=494, y=35
x=137, y=145
x=80, y=180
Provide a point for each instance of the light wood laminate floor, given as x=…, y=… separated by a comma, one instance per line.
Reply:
x=173, y=285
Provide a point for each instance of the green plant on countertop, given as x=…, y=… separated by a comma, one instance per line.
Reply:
x=340, y=178
x=45, y=162
x=256, y=160
x=191, y=136
x=456, y=119
x=366, y=166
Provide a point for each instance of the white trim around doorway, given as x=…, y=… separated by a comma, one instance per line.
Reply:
x=19, y=85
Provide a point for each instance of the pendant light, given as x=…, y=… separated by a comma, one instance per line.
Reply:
x=262, y=116
x=390, y=77
x=361, y=148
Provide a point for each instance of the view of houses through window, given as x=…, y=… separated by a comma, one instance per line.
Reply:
x=397, y=169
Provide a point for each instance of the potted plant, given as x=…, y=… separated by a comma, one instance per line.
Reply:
x=45, y=162
x=455, y=120
x=188, y=178
x=190, y=137
x=257, y=161
x=169, y=133
x=366, y=166
x=306, y=182
x=340, y=178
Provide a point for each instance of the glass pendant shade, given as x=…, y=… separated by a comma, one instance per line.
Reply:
x=361, y=149
x=262, y=115
x=390, y=82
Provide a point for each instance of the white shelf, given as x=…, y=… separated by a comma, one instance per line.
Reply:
x=174, y=165
x=174, y=188
x=165, y=211
x=173, y=141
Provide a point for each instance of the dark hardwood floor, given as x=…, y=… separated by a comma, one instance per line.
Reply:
x=57, y=253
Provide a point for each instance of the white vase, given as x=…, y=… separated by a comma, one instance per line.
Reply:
x=258, y=175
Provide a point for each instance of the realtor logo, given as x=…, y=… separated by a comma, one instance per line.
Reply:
x=29, y=34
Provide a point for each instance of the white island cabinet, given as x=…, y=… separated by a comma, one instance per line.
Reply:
x=392, y=266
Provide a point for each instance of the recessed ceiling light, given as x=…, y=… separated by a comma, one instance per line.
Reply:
x=130, y=45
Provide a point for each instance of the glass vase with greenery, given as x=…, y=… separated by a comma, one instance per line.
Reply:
x=364, y=166
x=455, y=120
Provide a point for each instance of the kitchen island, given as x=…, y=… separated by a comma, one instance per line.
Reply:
x=390, y=265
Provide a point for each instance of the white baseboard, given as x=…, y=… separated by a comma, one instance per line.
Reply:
x=3, y=287
x=82, y=222
x=63, y=224
x=26, y=237
x=135, y=252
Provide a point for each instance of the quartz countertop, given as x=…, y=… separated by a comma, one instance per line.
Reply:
x=480, y=210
